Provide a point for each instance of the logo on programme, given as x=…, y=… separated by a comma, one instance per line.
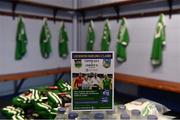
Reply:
x=106, y=63
x=77, y=63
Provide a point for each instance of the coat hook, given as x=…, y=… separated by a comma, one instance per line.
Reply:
x=83, y=16
x=170, y=4
x=117, y=10
x=14, y=5
x=55, y=10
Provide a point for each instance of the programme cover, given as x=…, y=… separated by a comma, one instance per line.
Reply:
x=92, y=80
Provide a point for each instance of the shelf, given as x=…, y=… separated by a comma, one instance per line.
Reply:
x=37, y=4
x=54, y=8
x=116, y=6
x=133, y=15
x=5, y=13
x=108, y=5
x=131, y=79
x=148, y=82
x=20, y=76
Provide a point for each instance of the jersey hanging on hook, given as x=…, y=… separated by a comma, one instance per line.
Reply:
x=45, y=40
x=106, y=38
x=63, y=42
x=159, y=42
x=122, y=41
x=21, y=40
x=90, y=37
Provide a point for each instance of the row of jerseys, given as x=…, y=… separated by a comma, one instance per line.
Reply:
x=123, y=40
x=45, y=40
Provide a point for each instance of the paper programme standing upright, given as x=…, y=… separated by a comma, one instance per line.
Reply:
x=122, y=41
x=159, y=42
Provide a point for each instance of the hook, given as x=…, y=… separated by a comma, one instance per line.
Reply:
x=55, y=10
x=83, y=16
x=170, y=4
x=117, y=10
x=14, y=6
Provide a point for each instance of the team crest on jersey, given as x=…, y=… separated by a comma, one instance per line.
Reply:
x=106, y=63
x=78, y=63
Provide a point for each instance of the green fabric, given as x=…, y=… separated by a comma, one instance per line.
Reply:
x=11, y=111
x=18, y=117
x=63, y=42
x=20, y=102
x=27, y=101
x=63, y=86
x=90, y=37
x=106, y=38
x=55, y=99
x=122, y=41
x=36, y=95
x=121, y=53
x=43, y=114
x=45, y=40
x=38, y=100
x=52, y=115
x=21, y=40
x=158, y=43
x=8, y=112
x=42, y=107
x=55, y=109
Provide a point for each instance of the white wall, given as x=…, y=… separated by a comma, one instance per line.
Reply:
x=63, y=3
x=141, y=31
x=87, y=3
x=33, y=60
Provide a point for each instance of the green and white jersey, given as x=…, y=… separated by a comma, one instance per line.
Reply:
x=55, y=99
x=21, y=40
x=90, y=37
x=63, y=42
x=45, y=40
x=158, y=43
x=106, y=38
x=122, y=41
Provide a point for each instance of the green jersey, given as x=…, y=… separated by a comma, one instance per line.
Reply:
x=63, y=42
x=90, y=37
x=158, y=43
x=122, y=41
x=106, y=83
x=21, y=40
x=45, y=40
x=106, y=38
